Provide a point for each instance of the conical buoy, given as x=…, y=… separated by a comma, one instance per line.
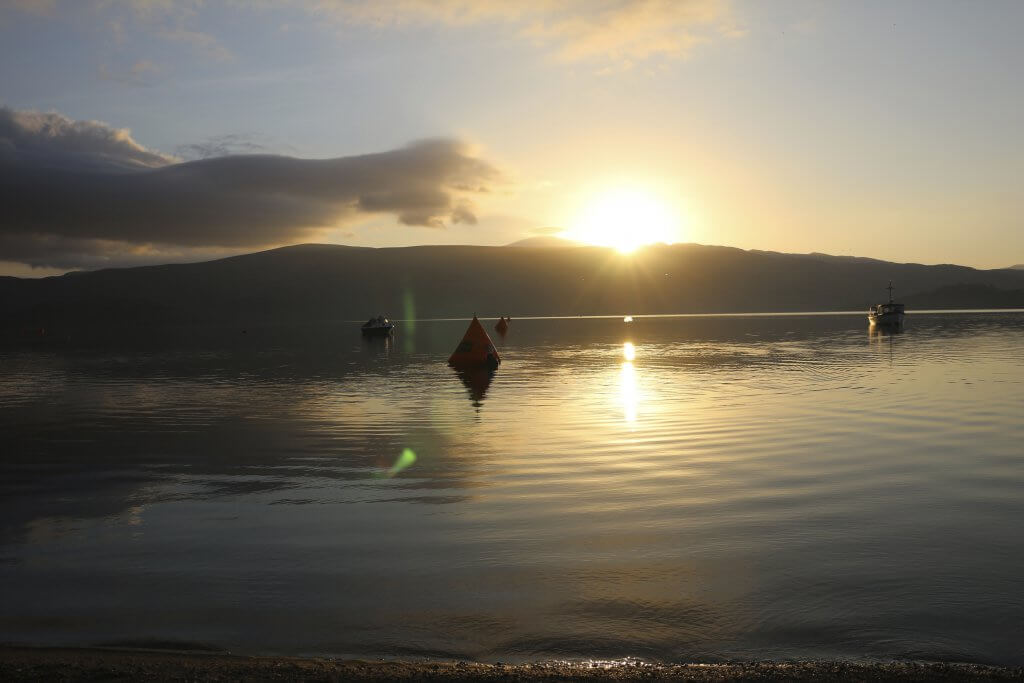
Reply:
x=475, y=349
x=502, y=326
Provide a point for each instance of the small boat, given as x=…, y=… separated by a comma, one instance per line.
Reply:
x=378, y=327
x=887, y=315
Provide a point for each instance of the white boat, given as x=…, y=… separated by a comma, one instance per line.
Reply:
x=378, y=327
x=887, y=315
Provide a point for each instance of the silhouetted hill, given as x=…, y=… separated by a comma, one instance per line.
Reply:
x=967, y=296
x=311, y=282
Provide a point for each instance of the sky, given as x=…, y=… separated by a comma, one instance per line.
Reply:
x=152, y=131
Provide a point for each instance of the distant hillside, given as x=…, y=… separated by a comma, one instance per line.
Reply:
x=326, y=282
x=967, y=296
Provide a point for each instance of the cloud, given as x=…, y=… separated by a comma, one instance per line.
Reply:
x=546, y=230
x=41, y=140
x=620, y=32
x=203, y=43
x=623, y=31
x=42, y=251
x=170, y=20
x=142, y=72
x=222, y=145
x=38, y=7
x=77, y=191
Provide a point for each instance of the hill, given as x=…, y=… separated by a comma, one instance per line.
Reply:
x=312, y=282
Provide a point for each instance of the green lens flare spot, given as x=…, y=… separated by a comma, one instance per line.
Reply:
x=405, y=461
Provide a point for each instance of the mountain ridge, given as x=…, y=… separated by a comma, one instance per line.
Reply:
x=314, y=282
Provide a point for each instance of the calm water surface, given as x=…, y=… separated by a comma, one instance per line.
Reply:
x=744, y=488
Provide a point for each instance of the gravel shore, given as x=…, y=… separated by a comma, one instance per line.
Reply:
x=67, y=664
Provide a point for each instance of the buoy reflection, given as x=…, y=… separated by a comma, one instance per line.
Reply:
x=477, y=381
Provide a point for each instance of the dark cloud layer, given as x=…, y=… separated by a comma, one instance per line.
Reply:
x=75, y=190
x=44, y=140
x=221, y=146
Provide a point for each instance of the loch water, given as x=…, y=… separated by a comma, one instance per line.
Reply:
x=691, y=488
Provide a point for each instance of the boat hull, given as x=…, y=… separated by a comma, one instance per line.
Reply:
x=886, y=319
x=378, y=331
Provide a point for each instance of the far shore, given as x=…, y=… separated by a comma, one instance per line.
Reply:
x=18, y=663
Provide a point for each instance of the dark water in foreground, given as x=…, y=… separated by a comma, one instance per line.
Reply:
x=746, y=488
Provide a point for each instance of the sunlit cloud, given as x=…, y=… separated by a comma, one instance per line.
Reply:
x=624, y=31
x=613, y=34
x=77, y=191
x=171, y=20
x=628, y=31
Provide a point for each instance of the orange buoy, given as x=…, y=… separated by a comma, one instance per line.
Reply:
x=475, y=349
x=502, y=326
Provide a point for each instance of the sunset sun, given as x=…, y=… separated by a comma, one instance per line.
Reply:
x=626, y=219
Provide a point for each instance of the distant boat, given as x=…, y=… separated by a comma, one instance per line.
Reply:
x=378, y=327
x=887, y=315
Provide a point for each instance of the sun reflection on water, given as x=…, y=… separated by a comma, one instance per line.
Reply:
x=628, y=385
x=629, y=392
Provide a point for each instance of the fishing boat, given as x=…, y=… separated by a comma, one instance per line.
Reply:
x=888, y=314
x=378, y=327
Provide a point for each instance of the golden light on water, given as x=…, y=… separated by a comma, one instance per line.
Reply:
x=628, y=385
x=629, y=392
x=626, y=219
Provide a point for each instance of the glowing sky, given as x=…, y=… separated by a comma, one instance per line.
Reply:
x=881, y=129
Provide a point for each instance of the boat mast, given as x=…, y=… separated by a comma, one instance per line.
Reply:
x=890, y=288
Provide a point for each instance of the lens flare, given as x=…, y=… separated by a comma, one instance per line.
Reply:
x=404, y=461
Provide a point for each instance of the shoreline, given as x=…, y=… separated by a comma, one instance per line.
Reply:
x=24, y=663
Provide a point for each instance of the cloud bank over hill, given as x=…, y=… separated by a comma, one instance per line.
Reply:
x=82, y=193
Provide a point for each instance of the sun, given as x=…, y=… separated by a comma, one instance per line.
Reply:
x=626, y=219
